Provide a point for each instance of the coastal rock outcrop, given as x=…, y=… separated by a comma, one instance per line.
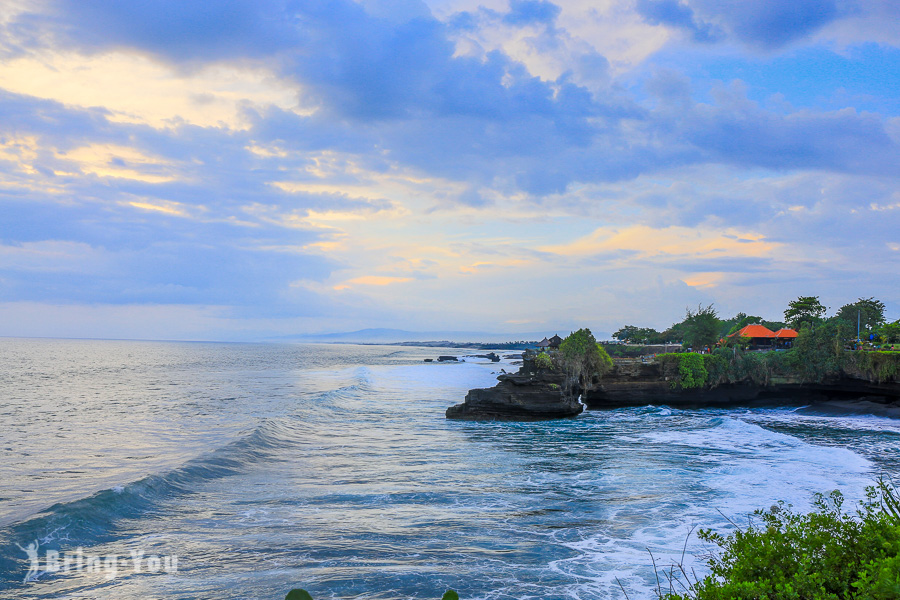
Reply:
x=528, y=395
x=636, y=383
x=533, y=394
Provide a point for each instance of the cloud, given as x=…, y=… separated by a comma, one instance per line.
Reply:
x=178, y=30
x=133, y=88
x=527, y=12
x=303, y=162
x=765, y=24
x=737, y=130
x=770, y=23
x=676, y=14
x=379, y=280
x=642, y=241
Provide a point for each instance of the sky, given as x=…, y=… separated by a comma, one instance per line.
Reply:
x=245, y=170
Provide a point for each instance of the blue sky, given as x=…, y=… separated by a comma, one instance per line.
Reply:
x=245, y=170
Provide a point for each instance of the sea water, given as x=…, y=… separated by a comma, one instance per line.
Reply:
x=135, y=470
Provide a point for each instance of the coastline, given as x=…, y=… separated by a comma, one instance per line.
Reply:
x=535, y=394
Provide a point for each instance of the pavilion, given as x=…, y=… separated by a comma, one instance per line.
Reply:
x=551, y=344
x=762, y=337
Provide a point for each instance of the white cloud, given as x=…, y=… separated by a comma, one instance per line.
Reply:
x=136, y=89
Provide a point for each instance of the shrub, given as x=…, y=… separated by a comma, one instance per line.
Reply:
x=881, y=366
x=690, y=369
x=820, y=351
x=827, y=554
x=584, y=359
x=717, y=368
x=543, y=361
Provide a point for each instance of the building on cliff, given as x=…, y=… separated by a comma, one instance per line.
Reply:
x=551, y=344
x=763, y=338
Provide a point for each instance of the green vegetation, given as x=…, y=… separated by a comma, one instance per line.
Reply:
x=889, y=333
x=805, y=310
x=583, y=358
x=817, y=355
x=868, y=313
x=825, y=347
x=639, y=335
x=701, y=328
x=880, y=366
x=690, y=368
x=828, y=554
x=543, y=361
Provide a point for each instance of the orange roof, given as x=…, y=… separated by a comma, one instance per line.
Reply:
x=786, y=333
x=754, y=331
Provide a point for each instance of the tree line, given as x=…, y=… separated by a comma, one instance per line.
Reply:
x=703, y=327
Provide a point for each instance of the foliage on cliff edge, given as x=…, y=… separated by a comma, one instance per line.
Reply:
x=882, y=367
x=583, y=358
x=686, y=370
x=828, y=554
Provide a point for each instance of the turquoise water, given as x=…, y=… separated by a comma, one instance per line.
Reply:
x=258, y=468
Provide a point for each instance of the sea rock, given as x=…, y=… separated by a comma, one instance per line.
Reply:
x=528, y=395
x=447, y=359
x=491, y=356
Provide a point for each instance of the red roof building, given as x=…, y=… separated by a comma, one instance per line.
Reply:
x=764, y=337
x=755, y=332
x=786, y=334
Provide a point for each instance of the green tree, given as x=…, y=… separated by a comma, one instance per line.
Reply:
x=583, y=358
x=805, y=309
x=820, y=352
x=701, y=328
x=626, y=333
x=639, y=335
x=675, y=333
x=868, y=311
x=889, y=333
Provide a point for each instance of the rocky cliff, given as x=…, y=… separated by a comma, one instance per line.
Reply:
x=530, y=394
x=534, y=394
x=634, y=383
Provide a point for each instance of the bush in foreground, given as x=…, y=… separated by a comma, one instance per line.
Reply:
x=828, y=554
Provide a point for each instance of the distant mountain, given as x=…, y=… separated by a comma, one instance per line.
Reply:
x=387, y=336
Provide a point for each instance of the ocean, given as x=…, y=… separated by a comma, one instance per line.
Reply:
x=136, y=470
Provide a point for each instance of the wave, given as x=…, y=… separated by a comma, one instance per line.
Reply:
x=92, y=520
x=851, y=408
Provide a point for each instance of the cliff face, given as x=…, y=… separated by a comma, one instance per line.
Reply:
x=527, y=395
x=633, y=383
x=533, y=395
